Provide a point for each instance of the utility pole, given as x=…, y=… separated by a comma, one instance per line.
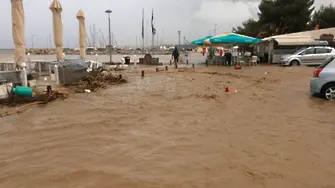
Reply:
x=179, y=32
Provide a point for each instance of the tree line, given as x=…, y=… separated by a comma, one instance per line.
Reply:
x=277, y=17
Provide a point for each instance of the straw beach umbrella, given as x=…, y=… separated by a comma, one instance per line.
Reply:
x=56, y=9
x=82, y=33
x=18, y=32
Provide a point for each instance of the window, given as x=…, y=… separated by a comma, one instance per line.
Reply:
x=327, y=62
x=308, y=51
x=322, y=50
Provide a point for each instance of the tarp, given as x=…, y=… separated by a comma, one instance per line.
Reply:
x=233, y=38
x=201, y=41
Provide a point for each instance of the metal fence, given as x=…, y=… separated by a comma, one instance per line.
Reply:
x=68, y=72
x=7, y=67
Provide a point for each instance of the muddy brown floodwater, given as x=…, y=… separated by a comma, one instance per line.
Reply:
x=177, y=129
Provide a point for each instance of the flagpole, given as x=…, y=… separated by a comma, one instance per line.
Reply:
x=152, y=28
x=143, y=29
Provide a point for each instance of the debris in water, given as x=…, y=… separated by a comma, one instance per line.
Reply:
x=99, y=80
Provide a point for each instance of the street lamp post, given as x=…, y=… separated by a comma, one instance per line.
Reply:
x=179, y=37
x=215, y=29
x=110, y=38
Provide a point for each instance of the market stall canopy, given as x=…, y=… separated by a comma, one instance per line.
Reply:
x=201, y=41
x=233, y=38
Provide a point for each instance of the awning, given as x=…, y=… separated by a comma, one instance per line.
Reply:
x=294, y=41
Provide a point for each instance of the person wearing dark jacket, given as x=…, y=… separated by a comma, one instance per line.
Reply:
x=175, y=55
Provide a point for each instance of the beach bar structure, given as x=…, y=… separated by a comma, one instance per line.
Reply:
x=271, y=49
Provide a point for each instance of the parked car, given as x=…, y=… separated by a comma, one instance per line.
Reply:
x=323, y=81
x=308, y=56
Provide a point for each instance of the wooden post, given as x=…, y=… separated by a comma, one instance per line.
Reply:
x=120, y=76
x=166, y=68
x=170, y=62
x=157, y=70
x=142, y=73
x=49, y=91
x=193, y=65
x=186, y=61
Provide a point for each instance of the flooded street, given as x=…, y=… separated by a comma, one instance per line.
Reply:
x=177, y=129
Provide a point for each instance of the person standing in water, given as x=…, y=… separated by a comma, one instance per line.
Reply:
x=175, y=55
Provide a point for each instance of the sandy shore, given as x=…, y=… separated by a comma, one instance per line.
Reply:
x=177, y=129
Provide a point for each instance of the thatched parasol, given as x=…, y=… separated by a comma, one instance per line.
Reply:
x=82, y=33
x=56, y=9
x=18, y=32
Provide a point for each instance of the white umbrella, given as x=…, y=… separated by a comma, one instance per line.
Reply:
x=18, y=32
x=82, y=34
x=56, y=9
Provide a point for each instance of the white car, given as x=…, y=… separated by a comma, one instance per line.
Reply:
x=308, y=56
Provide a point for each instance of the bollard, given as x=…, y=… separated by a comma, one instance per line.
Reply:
x=166, y=68
x=157, y=70
x=186, y=61
x=142, y=73
x=193, y=65
x=120, y=76
x=170, y=62
x=206, y=63
x=49, y=91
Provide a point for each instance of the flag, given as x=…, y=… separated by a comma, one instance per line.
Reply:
x=152, y=23
x=142, y=23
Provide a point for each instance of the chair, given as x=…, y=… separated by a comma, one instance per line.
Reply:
x=254, y=60
x=240, y=60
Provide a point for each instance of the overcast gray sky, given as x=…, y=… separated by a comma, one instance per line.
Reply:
x=193, y=17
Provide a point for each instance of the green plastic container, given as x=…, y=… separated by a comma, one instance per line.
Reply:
x=23, y=91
